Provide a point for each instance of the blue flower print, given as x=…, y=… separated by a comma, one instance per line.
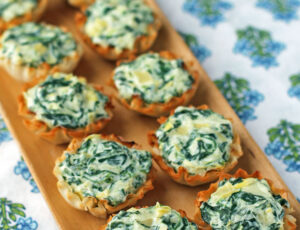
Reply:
x=277, y=149
x=245, y=114
x=240, y=96
x=27, y=224
x=13, y=216
x=284, y=144
x=200, y=52
x=22, y=169
x=259, y=46
x=294, y=91
x=253, y=97
x=4, y=133
x=285, y=10
x=209, y=12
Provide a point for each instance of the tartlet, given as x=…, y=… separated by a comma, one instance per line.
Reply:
x=80, y=3
x=153, y=217
x=103, y=174
x=31, y=50
x=118, y=28
x=154, y=83
x=245, y=201
x=15, y=12
x=61, y=106
x=195, y=145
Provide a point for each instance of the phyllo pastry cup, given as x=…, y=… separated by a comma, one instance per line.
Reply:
x=244, y=201
x=80, y=3
x=194, y=145
x=61, y=106
x=103, y=174
x=118, y=29
x=14, y=12
x=31, y=50
x=153, y=217
x=153, y=84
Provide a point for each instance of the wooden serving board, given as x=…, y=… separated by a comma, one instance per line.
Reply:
x=41, y=155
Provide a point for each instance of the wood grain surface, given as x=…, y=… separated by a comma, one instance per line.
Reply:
x=41, y=155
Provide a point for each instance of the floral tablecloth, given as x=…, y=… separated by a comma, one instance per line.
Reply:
x=251, y=49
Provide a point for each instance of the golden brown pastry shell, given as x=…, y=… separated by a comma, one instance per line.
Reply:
x=182, y=175
x=203, y=196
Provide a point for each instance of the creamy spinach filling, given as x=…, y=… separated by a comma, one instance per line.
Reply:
x=153, y=78
x=106, y=170
x=10, y=9
x=198, y=140
x=117, y=23
x=33, y=44
x=156, y=217
x=67, y=101
x=247, y=204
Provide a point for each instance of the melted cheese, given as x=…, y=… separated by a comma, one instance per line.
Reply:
x=196, y=140
x=156, y=217
x=10, y=9
x=153, y=78
x=248, y=202
x=67, y=101
x=117, y=23
x=105, y=170
x=250, y=185
x=32, y=44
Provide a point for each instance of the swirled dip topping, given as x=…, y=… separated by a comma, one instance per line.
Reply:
x=156, y=217
x=33, y=44
x=153, y=78
x=10, y=9
x=67, y=101
x=198, y=140
x=106, y=170
x=246, y=204
x=117, y=23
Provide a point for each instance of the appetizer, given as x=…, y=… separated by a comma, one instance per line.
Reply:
x=103, y=174
x=243, y=201
x=31, y=50
x=15, y=12
x=63, y=106
x=194, y=145
x=118, y=28
x=154, y=83
x=157, y=217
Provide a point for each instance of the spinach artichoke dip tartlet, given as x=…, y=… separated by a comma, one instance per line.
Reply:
x=62, y=106
x=194, y=145
x=15, y=12
x=118, y=28
x=243, y=201
x=154, y=83
x=158, y=217
x=32, y=50
x=103, y=174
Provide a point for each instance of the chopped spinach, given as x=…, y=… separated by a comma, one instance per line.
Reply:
x=247, y=204
x=66, y=101
x=32, y=44
x=106, y=169
x=10, y=9
x=153, y=78
x=198, y=140
x=117, y=23
x=153, y=218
